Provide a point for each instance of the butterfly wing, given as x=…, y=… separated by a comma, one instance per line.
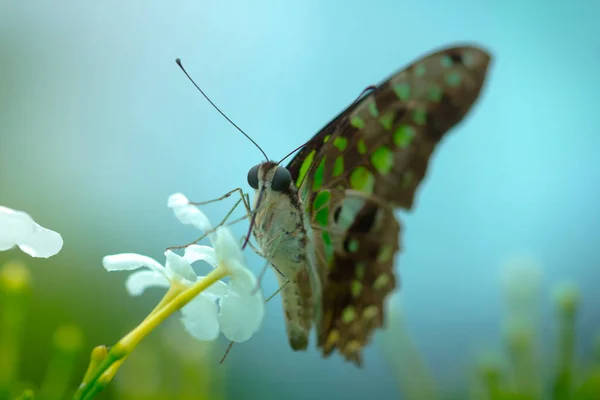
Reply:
x=362, y=165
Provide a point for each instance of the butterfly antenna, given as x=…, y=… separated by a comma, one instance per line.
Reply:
x=292, y=152
x=178, y=61
x=365, y=90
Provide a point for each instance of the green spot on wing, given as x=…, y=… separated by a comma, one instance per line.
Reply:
x=383, y=159
x=353, y=245
x=322, y=216
x=402, y=90
x=407, y=179
x=386, y=120
x=361, y=269
x=468, y=59
x=435, y=93
x=338, y=167
x=321, y=207
x=404, y=136
x=446, y=61
x=304, y=194
x=373, y=111
x=362, y=179
x=318, y=178
x=326, y=138
x=381, y=281
x=357, y=122
x=348, y=314
x=321, y=199
x=420, y=70
x=340, y=142
x=453, y=78
x=370, y=312
x=327, y=246
x=385, y=254
x=305, y=166
x=361, y=146
x=356, y=288
x=326, y=238
x=419, y=116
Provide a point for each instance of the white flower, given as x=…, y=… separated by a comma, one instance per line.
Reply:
x=18, y=228
x=243, y=309
x=187, y=213
x=232, y=309
x=200, y=316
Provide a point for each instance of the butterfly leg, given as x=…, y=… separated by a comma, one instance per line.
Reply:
x=244, y=199
x=225, y=196
x=264, y=269
x=266, y=300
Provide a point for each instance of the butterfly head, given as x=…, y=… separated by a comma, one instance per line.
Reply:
x=273, y=189
x=269, y=176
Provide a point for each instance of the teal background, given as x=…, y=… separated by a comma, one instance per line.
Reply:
x=98, y=127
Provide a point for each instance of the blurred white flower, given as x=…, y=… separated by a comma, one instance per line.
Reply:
x=17, y=228
x=243, y=308
x=230, y=308
x=187, y=213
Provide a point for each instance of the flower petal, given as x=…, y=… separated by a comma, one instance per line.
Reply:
x=241, y=311
x=131, y=261
x=177, y=200
x=16, y=225
x=241, y=316
x=18, y=228
x=243, y=281
x=42, y=242
x=197, y=252
x=217, y=289
x=199, y=317
x=228, y=249
x=141, y=280
x=187, y=213
x=179, y=266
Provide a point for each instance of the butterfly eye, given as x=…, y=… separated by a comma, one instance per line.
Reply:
x=253, y=177
x=281, y=179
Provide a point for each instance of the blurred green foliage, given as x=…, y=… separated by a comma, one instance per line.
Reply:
x=522, y=371
x=169, y=364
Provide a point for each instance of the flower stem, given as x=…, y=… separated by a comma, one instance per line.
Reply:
x=99, y=354
x=568, y=305
x=15, y=285
x=173, y=291
x=68, y=343
x=412, y=373
x=26, y=395
x=172, y=301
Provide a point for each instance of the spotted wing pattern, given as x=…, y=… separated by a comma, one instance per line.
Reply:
x=366, y=162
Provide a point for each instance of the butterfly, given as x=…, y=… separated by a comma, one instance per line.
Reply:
x=326, y=221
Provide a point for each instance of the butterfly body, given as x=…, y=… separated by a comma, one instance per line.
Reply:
x=326, y=220
x=283, y=235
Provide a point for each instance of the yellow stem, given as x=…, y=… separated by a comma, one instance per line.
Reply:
x=110, y=373
x=133, y=338
x=173, y=300
x=173, y=291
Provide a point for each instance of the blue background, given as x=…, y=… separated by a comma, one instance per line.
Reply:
x=98, y=127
